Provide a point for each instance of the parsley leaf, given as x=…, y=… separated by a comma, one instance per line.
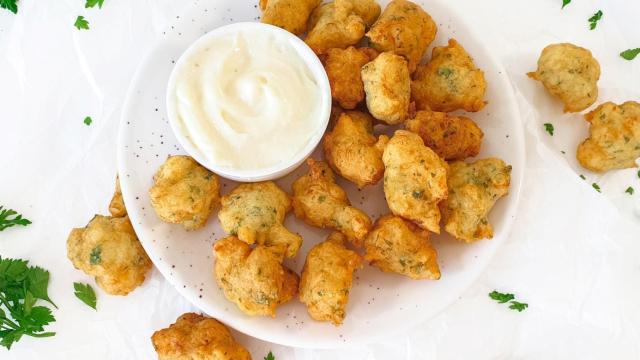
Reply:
x=269, y=356
x=21, y=286
x=548, y=127
x=6, y=221
x=565, y=3
x=9, y=5
x=500, y=297
x=629, y=190
x=593, y=21
x=88, y=120
x=85, y=293
x=81, y=23
x=596, y=186
x=630, y=54
x=92, y=3
x=582, y=177
x=518, y=306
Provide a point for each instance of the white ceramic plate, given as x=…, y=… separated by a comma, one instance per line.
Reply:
x=380, y=304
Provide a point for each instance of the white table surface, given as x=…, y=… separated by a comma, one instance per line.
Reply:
x=573, y=254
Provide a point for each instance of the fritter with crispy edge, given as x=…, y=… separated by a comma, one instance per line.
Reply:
x=291, y=15
x=387, y=85
x=343, y=69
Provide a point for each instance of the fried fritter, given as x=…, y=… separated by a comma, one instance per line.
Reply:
x=399, y=246
x=319, y=201
x=343, y=69
x=405, y=29
x=255, y=213
x=569, y=73
x=116, y=207
x=327, y=277
x=184, y=192
x=353, y=151
x=255, y=280
x=108, y=249
x=450, y=81
x=387, y=85
x=291, y=15
x=473, y=190
x=415, y=180
x=340, y=23
x=197, y=337
x=451, y=137
x=614, y=137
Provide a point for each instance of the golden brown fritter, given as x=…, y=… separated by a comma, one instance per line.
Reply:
x=291, y=15
x=255, y=213
x=353, y=151
x=415, y=180
x=450, y=81
x=327, y=277
x=614, y=137
x=255, y=280
x=340, y=23
x=473, y=190
x=343, y=69
x=399, y=246
x=116, y=207
x=197, y=337
x=451, y=137
x=319, y=201
x=569, y=73
x=387, y=85
x=184, y=192
x=108, y=249
x=405, y=29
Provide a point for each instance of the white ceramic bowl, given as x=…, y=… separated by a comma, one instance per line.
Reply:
x=283, y=168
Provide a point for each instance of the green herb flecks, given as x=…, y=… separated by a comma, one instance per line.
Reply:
x=629, y=190
x=92, y=3
x=10, y=5
x=270, y=356
x=565, y=3
x=596, y=186
x=81, y=23
x=515, y=305
x=88, y=120
x=95, y=258
x=501, y=297
x=593, y=21
x=630, y=54
x=548, y=127
x=85, y=293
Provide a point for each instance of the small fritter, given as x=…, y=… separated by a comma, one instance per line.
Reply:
x=387, y=85
x=614, y=137
x=327, y=277
x=451, y=137
x=184, y=192
x=569, y=73
x=319, y=201
x=399, y=246
x=405, y=29
x=116, y=207
x=450, y=81
x=343, y=69
x=255, y=213
x=255, y=280
x=108, y=249
x=415, y=180
x=473, y=190
x=340, y=24
x=291, y=15
x=353, y=151
x=197, y=337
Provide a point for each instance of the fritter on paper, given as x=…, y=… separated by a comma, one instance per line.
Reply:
x=340, y=24
x=399, y=246
x=291, y=15
x=451, y=137
x=343, y=69
x=450, y=81
x=387, y=85
x=197, y=337
x=319, y=201
x=614, y=137
x=405, y=29
x=255, y=213
x=184, y=192
x=353, y=151
x=415, y=180
x=108, y=249
x=255, y=280
x=327, y=277
x=569, y=73
x=473, y=190
x=116, y=207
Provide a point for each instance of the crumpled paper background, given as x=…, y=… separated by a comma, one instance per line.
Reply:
x=572, y=254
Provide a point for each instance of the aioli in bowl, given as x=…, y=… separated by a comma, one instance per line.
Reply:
x=249, y=101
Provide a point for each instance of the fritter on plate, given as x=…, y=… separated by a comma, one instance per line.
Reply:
x=343, y=69
x=291, y=15
x=387, y=85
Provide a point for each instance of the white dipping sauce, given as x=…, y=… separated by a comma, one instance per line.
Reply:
x=246, y=100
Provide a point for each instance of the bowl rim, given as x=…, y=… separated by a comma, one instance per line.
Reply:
x=316, y=68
